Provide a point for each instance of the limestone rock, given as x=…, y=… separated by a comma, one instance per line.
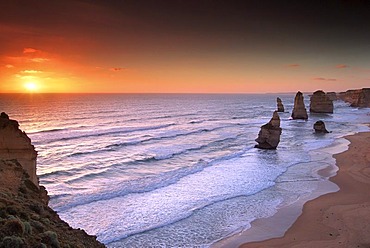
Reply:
x=321, y=103
x=332, y=96
x=299, y=109
x=15, y=144
x=269, y=135
x=319, y=127
x=280, y=106
x=359, y=98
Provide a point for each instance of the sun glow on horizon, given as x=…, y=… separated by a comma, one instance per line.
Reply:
x=31, y=86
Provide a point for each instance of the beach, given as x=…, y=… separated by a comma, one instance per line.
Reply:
x=339, y=219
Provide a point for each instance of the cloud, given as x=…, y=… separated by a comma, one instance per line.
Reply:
x=39, y=60
x=117, y=69
x=324, y=79
x=341, y=66
x=31, y=71
x=294, y=65
x=9, y=66
x=29, y=50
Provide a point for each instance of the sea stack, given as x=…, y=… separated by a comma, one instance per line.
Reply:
x=269, y=135
x=359, y=98
x=299, y=109
x=319, y=127
x=26, y=220
x=15, y=144
x=280, y=106
x=321, y=103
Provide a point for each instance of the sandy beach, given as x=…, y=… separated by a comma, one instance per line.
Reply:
x=340, y=219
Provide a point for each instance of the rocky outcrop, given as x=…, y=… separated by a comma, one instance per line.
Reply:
x=299, y=109
x=25, y=218
x=319, y=127
x=15, y=144
x=357, y=98
x=321, y=103
x=269, y=135
x=332, y=96
x=280, y=106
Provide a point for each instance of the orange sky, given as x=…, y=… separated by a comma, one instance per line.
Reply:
x=182, y=47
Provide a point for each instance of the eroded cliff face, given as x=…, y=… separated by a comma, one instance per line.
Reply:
x=357, y=98
x=26, y=220
x=15, y=144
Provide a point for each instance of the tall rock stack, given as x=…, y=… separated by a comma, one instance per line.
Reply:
x=15, y=144
x=299, y=109
x=269, y=135
x=280, y=106
x=321, y=103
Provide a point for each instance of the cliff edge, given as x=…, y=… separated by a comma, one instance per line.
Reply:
x=26, y=220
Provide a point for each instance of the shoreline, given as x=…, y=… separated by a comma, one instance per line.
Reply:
x=338, y=219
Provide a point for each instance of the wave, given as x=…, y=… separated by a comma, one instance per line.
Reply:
x=140, y=185
x=108, y=132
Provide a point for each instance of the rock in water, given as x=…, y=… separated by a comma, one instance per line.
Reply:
x=321, y=103
x=269, y=135
x=319, y=127
x=299, y=109
x=280, y=106
x=15, y=144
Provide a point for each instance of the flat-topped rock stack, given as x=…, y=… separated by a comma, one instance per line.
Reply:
x=321, y=103
x=299, y=109
x=269, y=135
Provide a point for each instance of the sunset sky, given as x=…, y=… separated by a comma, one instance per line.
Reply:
x=183, y=46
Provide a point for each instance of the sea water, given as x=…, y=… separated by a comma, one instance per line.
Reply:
x=174, y=170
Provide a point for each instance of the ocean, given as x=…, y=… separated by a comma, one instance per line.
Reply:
x=174, y=170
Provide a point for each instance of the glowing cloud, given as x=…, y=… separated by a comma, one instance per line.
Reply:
x=9, y=66
x=117, y=69
x=324, y=79
x=342, y=66
x=29, y=50
x=294, y=65
x=39, y=60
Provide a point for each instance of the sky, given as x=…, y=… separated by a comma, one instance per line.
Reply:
x=183, y=46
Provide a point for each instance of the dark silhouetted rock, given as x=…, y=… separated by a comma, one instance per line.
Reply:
x=269, y=135
x=319, y=127
x=299, y=109
x=280, y=106
x=321, y=103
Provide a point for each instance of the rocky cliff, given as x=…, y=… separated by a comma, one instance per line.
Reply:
x=357, y=98
x=321, y=103
x=25, y=218
x=269, y=135
x=15, y=144
x=299, y=109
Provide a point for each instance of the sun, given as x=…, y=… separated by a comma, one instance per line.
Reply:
x=31, y=86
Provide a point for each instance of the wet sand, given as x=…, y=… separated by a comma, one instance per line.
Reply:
x=339, y=219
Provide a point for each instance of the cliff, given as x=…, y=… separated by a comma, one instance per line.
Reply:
x=357, y=98
x=15, y=144
x=26, y=220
